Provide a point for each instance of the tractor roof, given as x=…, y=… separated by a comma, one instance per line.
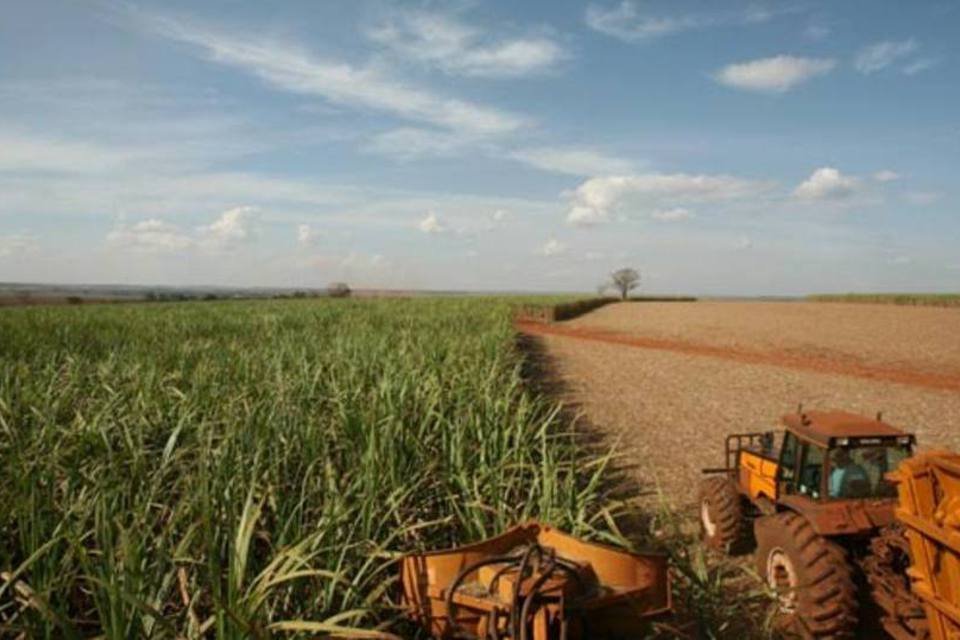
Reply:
x=823, y=426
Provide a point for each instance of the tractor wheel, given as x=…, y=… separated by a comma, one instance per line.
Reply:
x=721, y=514
x=811, y=575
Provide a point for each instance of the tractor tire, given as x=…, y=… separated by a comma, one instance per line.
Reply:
x=812, y=577
x=721, y=514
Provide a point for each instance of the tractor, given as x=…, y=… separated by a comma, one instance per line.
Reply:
x=823, y=521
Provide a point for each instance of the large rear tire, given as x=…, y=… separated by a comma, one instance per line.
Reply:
x=811, y=575
x=721, y=514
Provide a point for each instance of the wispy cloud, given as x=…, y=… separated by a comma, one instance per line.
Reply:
x=629, y=20
x=920, y=65
x=577, y=161
x=879, y=56
x=16, y=244
x=778, y=74
x=456, y=48
x=672, y=215
x=295, y=70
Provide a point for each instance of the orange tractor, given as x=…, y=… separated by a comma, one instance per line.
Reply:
x=823, y=513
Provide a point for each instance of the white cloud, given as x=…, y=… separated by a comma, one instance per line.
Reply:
x=572, y=160
x=901, y=260
x=921, y=64
x=553, y=247
x=16, y=244
x=22, y=152
x=881, y=55
x=595, y=199
x=499, y=215
x=359, y=260
x=407, y=143
x=294, y=70
x=307, y=236
x=151, y=236
x=672, y=215
x=629, y=21
x=886, y=176
x=431, y=224
x=778, y=74
x=744, y=243
x=232, y=227
x=826, y=183
x=459, y=49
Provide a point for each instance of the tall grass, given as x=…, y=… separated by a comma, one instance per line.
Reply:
x=240, y=469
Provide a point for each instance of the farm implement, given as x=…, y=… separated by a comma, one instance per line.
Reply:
x=535, y=583
x=836, y=500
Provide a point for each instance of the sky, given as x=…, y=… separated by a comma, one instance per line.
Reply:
x=718, y=147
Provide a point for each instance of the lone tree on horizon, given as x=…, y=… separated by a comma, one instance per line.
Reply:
x=625, y=280
x=338, y=290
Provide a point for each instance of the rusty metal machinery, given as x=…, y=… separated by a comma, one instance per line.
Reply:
x=535, y=583
x=929, y=508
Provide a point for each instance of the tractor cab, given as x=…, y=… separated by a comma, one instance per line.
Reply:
x=839, y=456
x=829, y=466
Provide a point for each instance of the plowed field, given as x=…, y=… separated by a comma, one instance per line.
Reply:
x=670, y=380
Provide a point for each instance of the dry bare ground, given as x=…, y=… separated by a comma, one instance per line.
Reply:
x=671, y=408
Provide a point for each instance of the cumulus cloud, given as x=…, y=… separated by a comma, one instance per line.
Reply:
x=460, y=49
x=778, y=74
x=826, y=183
x=431, y=224
x=552, y=247
x=596, y=199
x=672, y=215
x=744, y=243
x=499, y=215
x=231, y=228
x=881, y=55
x=576, y=161
x=886, y=176
x=16, y=244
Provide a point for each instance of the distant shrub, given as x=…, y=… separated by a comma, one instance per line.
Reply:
x=339, y=290
x=74, y=300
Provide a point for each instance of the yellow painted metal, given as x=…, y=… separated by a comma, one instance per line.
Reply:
x=929, y=506
x=757, y=475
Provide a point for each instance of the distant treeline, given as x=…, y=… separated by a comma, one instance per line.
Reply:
x=567, y=310
x=915, y=299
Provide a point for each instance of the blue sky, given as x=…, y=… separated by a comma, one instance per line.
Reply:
x=753, y=148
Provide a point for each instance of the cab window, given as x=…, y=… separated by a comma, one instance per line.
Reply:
x=811, y=471
x=788, y=463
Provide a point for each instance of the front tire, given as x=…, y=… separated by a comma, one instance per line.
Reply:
x=721, y=514
x=812, y=578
